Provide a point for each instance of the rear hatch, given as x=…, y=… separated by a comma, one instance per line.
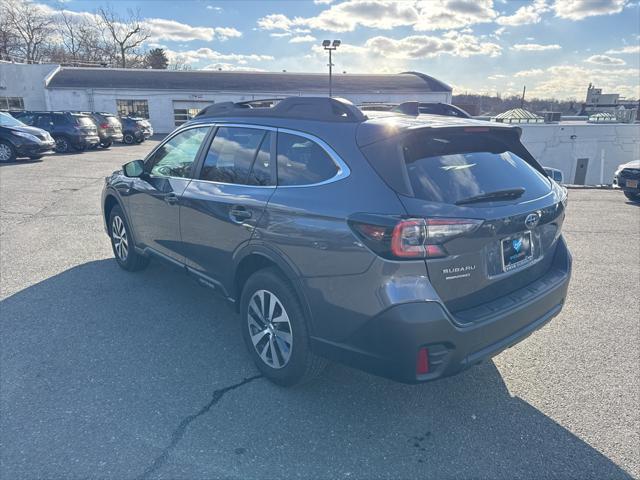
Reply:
x=491, y=213
x=114, y=127
x=86, y=125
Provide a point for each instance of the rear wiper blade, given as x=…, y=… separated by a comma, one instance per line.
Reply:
x=497, y=195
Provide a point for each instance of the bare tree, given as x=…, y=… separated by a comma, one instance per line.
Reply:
x=69, y=30
x=127, y=34
x=30, y=24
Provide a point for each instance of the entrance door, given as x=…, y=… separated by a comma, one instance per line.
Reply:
x=581, y=171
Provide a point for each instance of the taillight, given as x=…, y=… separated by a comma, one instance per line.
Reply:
x=104, y=125
x=412, y=237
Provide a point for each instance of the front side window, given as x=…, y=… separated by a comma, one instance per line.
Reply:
x=302, y=161
x=175, y=158
x=239, y=155
x=133, y=108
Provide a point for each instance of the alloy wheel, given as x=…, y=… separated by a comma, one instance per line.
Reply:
x=62, y=145
x=5, y=153
x=120, y=240
x=270, y=329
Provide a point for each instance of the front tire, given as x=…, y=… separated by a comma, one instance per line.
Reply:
x=634, y=197
x=7, y=152
x=122, y=242
x=275, y=330
x=106, y=144
x=128, y=138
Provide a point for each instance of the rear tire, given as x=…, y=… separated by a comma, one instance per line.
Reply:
x=278, y=336
x=634, y=197
x=128, y=138
x=62, y=145
x=106, y=144
x=7, y=152
x=122, y=242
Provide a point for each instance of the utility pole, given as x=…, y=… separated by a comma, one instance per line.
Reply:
x=330, y=47
x=524, y=89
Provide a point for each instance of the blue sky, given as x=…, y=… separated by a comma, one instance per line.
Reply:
x=554, y=47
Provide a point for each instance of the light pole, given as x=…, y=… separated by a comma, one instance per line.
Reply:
x=330, y=46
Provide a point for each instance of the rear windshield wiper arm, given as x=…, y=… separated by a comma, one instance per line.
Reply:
x=509, y=194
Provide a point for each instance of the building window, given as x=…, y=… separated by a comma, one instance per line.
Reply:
x=133, y=108
x=11, y=103
x=182, y=115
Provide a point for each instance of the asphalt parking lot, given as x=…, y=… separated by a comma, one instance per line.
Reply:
x=107, y=374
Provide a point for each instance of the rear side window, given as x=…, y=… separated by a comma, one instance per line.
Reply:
x=448, y=168
x=302, y=161
x=240, y=156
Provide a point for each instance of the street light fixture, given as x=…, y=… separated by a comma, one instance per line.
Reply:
x=330, y=47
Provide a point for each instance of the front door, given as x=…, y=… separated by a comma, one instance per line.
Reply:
x=153, y=200
x=222, y=206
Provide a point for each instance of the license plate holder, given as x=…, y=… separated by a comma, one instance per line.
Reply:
x=632, y=183
x=516, y=250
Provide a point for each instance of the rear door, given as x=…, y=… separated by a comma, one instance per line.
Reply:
x=221, y=207
x=461, y=178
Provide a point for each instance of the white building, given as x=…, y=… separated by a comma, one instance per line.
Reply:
x=168, y=97
x=586, y=152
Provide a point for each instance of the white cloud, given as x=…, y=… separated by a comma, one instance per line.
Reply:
x=422, y=46
x=534, y=47
x=497, y=76
x=534, y=72
x=605, y=60
x=163, y=29
x=423, y=15
x=580, y=9
x=303, y=39
x=322, y=2
x=211, y=7
x=230, y=67
x=207, y=54
x=627, y=49
x=525, y=15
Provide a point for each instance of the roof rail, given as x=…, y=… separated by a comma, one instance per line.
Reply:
x=309, y=108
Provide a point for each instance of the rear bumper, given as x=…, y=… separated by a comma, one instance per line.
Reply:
x=388, y=344
x=88, y=141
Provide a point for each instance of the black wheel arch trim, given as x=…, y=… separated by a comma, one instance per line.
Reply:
x=285, y=265
x=110, y=191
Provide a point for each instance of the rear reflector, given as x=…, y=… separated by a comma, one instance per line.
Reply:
x=422, y=362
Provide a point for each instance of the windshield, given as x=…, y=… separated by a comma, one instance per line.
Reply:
x=7, y=120
x=448, y=168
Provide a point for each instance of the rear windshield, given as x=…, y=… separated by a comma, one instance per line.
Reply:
x=113, y=121
x=84, y=121
x=449, y=167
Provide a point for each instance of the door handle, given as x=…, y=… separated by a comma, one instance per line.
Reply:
x=171, y=198
x=238, y=214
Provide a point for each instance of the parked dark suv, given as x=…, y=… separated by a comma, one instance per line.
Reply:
x=411, y=247
x=70, y=130
x=135, y=130
x=109, y=128
x=19, y=140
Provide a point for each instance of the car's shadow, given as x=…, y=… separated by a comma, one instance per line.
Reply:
x=109, y=374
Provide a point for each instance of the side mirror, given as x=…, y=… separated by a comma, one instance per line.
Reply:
x=134, y=169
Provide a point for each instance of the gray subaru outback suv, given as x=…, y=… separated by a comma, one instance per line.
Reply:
x=410, y=246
